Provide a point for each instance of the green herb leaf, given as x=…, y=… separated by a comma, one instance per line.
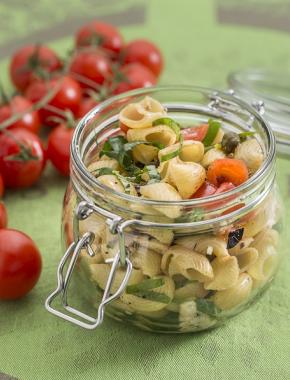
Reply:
x=153, y=174
x=207, y=307
x=153, y=296
x=170, y=123
x=125, y=181
x=170, y=155
x=194, y=216
x=149, y=284
x=213, y=128
x=103, y=171
x=243, y=136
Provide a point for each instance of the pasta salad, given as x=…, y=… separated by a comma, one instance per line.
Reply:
x=182, y=282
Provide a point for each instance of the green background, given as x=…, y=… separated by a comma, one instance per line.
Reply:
x=202, y=43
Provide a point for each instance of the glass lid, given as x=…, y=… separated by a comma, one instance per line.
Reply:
x=273, y=88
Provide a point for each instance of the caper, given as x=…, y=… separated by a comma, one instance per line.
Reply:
x=229, y=142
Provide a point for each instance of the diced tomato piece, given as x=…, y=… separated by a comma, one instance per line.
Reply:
x=123, y=127
x=205, y=190
x=195, y=133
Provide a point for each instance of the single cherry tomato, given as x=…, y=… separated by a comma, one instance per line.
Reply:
x=28, y=61
x=99, y=34
x=144, y=52
x=21, y=158
x=20, y=264
x=58, y=148
x=66, y=96
x=2, y=188
x=90, y=66
x=3, y=216
x=86, y=105
x=205, y=190
x=195, y=133
x=133, y=76
x=227, y=170
x=28, y=118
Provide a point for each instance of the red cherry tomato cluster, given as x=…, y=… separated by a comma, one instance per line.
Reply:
x=54, y=92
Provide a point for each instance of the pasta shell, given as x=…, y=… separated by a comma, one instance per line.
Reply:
x=266, y=237
x=256, y=224
x=145, y=241
x=242, y=244
x=142, y=305
x=142, y=114
x=250, y=151
x=265, y=266
x=190, y=320
x=160, y=192
x=100, y=274
x=191, y=290
x=190, y=264
x=160, y=133
x=246, y=258
x=112, y=182
x=225, y=273
x=145, y=153
x=236, y=295
x=187, y=177
x=191, y=151
x=212, y=245
x=111, y=163
x=148, y=261
x=210, y=156
x=164, y=236
x=188, y=242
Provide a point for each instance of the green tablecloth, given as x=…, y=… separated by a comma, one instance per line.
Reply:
x=202, y=42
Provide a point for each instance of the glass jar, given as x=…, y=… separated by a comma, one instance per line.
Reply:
x=211, y=257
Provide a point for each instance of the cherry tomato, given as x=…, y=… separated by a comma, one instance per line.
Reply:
x=195, y=133
x=2, y=188
x=19, y=105
x=86, y=105
x=21, y=158
x=28, y=60
x=100, y=34
x=3, y=216
x=227, y=170
x=144, y=52
x=133, y=76
x=20, y=264
x=92, y=66
x=58, y=148
x=205, y=190
x=67, y=96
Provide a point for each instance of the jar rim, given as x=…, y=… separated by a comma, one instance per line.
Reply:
x=78, y=164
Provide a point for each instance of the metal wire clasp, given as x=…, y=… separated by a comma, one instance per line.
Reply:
x=83, y=210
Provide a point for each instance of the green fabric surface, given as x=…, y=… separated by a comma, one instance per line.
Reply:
x=255, y=345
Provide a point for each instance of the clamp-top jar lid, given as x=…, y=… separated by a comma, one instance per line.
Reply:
x=273, y=88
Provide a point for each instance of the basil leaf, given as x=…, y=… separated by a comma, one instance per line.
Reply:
x=243, y=136
x=207, y=307
x=129, y=146
x=125, y=181
x=103, y=171
x=153, y=174
x=170, y=123
x=153, y=296
x=170, y=155
x=145, y=285
x=194, y=216
x=213, y=128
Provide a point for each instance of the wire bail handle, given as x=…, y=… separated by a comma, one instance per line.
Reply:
x=116, y=225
